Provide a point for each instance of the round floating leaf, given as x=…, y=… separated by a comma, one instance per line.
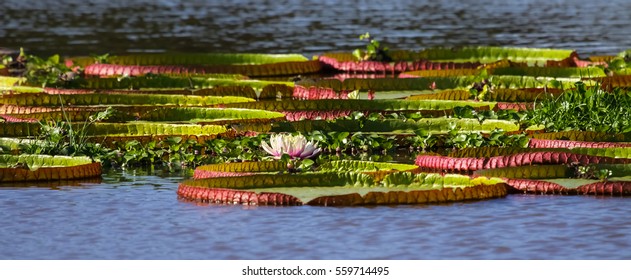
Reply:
x=325, y=189
x=571, y=187
x=492, y=54
x=442, y=95
x=394, y=196
x=612, y=152
x=20, y=89
x=543, y=143
x=191, y=59
x=358, y=166
x=472, y=54
x=19, y=129
x=244, y=91
x=378, y=170
x=11, y=144
x=555, y=72
x=210, y=115
x=343, y=63
x=441, y=73
x=152, y=82
x=435, y=180
x=232, y=169
x=616, y=81
x=257, y=70
x=521, y=82
x=574, y=135
x=262, y=181
x=433, y=125
x=122, y=99
x=8, y=82
x=268, y=189
x=521, y=95
x=486, y=152
x=149, y=128
x=544, y=157
x=358, y=105
x=391, y=84
x=46, y=168
x=528, y=172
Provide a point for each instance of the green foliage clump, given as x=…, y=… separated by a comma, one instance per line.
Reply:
x=584, y=108
x=458, y=139
x=374, y=50
x=592, y=172
x=176, y=153
x=61, y=137
x=48, y=72
x=621, y=64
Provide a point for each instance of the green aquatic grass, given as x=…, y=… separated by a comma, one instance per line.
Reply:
x=584, y=108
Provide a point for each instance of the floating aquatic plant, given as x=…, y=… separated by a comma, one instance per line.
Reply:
x=374, y=50
x=296, y=146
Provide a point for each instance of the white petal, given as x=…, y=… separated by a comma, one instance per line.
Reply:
x=277, y=142
x=307, y=151
x=310, y=150
x=315, y=153
x=297, y=146
x=268, y=149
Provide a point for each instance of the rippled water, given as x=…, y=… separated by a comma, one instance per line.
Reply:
x=139, y=217
x=129, y=216
x=310, y=27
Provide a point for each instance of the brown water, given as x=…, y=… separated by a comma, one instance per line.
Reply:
x=138, y=216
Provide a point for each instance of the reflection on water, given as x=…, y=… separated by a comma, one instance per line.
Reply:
x=309, y=27
x=53, y=185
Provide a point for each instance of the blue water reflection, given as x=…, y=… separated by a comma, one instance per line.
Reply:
x=140, y=217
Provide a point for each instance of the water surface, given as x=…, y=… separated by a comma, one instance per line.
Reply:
x=310, y=27
x=138, y=216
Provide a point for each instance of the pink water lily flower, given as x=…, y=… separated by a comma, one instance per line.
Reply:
x=296, y=146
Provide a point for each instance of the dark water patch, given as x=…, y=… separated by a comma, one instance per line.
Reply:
x=76, y=27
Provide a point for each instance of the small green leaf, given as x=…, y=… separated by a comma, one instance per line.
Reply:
x=54, y=59
x=357, y=53
x=285, y=158
x=306, y=164
x=353, y=94
x=342, y=136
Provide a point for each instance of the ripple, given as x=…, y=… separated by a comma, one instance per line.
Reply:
x=310, y=27
x=136, y=222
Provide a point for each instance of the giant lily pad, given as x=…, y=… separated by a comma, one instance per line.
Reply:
x=152, y=82
x=492, y=54
x=433, y=125
x=554, y=72
x=359, y=105
x=211, y=115
x=25, y=99
x=233, y=169
x=610, y=187
x=543, y=157
x=325, y=189
x=191, y=59
x=256, y=70
x=46, y=168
